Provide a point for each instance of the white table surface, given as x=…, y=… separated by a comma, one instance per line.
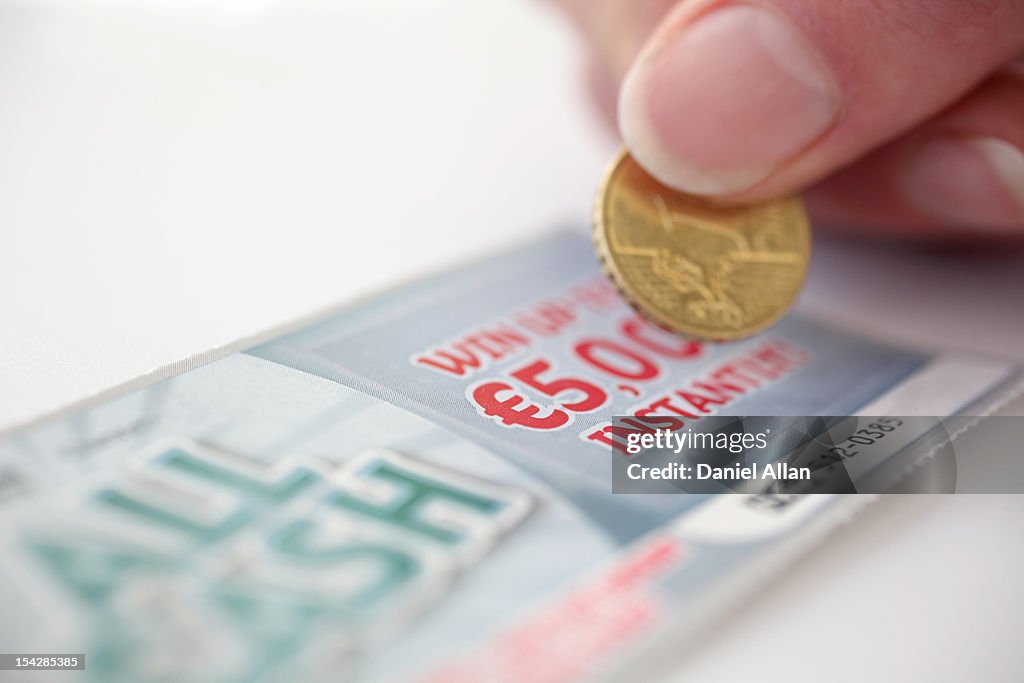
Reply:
x=177, y=175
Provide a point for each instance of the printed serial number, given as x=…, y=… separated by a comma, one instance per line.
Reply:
x=873, y=433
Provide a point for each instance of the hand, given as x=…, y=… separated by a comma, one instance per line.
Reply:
x=899, y=117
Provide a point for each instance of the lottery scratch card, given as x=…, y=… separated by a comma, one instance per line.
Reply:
x=419, y=487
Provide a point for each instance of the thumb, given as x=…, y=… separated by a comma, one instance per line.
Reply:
x=752, y=99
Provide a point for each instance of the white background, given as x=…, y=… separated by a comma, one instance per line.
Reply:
x=177, y=175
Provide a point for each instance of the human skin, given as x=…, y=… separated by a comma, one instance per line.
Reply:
x=895, y=118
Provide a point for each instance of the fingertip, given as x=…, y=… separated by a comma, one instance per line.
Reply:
x=715, y=104
x=966, y=182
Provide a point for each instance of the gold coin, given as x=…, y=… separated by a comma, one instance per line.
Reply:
x=701, y=270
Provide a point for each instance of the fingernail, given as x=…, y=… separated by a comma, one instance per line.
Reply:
x=968, y=182
x=716, y=106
